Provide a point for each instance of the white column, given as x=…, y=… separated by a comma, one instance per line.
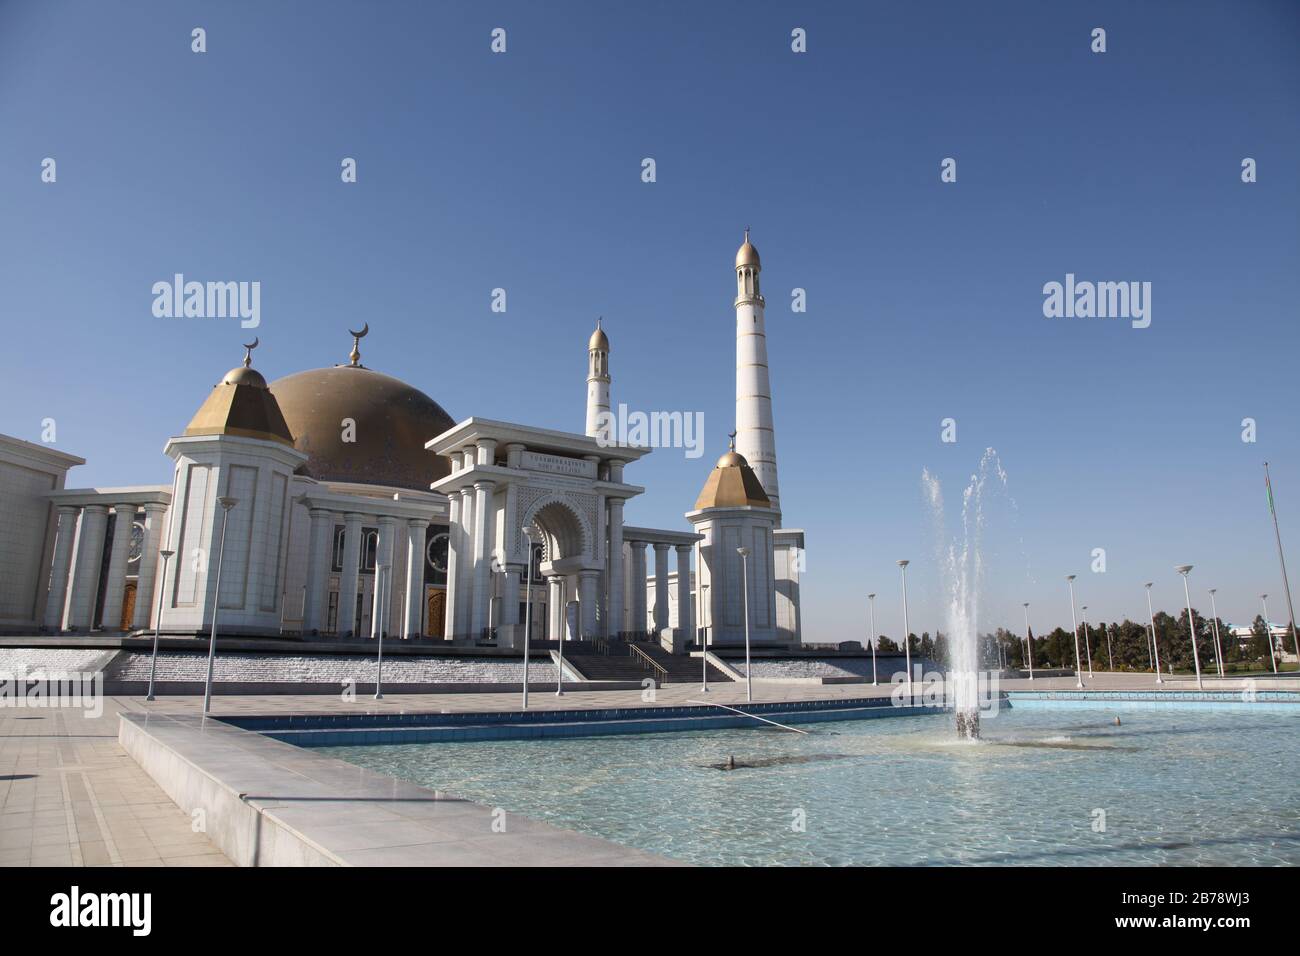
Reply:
x=685, y=619
x=383, y=555
x=351, y=575
x=119, y=552
x=588, y=594
x=85, y=576
x=465, y=603
x=555, y=608
x=319, y=541
x=416, y=529
x=145, y=598
x=452, y=606
x=483, y=536
x=638, y=601
x=661, y=588
x=614, y=569
x=61, y=569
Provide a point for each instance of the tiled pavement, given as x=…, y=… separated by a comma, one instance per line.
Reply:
x=70, y=796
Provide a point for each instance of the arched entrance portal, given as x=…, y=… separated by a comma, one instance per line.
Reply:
x=570, y=568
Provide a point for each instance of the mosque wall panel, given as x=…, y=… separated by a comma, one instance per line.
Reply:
x=276, y=530
x=241, y=484
x=191, y=551
x=24, y=515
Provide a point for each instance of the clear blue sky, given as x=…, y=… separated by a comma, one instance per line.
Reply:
x=522, y=171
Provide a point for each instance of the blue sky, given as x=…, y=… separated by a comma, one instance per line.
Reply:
x=522, y=171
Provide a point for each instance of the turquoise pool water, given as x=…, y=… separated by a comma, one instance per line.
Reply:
x=1042, y=788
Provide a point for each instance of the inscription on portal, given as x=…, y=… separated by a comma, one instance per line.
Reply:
x=557, y=464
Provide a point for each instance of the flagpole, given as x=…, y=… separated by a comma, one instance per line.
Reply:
x=1286, y=584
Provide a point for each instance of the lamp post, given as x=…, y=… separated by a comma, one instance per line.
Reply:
x=907, y=642
x=1218, y=648
x=559, y=674
x=226, y=503
x=871, y=603
x=749, y=677
x=157, y=621
x=1110, y=654
x=1029, y=641
x=1074, y=633
x=1087, y=639
x=1268, y=634
x=1183, y=569
x=1154, y=645
x=704, y=642
x=377, y=615
x=528, y=611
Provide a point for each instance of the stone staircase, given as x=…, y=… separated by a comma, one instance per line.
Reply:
x=614, y=660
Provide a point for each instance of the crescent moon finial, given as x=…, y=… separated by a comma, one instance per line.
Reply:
x=355, y=354
x=248, y=354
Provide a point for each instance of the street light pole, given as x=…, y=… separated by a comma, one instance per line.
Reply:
x=377, y=613
x=528, y=610
x=704, y=642
x=226, y=503
x=1087, y=640
x=1154, y=645
x=907, y=642
x=1183, y=569
x=749, y=676
x=1268, y=634
x=1218, y=647
x=1029, y=641
x=871, y=602
x=1286, y=581
x=1074, y=634
x=157, y=621
x=1110, y=654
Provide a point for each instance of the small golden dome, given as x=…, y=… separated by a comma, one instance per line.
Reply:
x=732, y=484
x=747, y=255
x=732, y=459
x=241, y=404
x=599, y=340
x=243, y=375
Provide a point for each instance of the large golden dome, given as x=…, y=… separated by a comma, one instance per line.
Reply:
x=392, y=420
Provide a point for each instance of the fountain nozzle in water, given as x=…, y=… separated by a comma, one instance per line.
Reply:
x=968, y=725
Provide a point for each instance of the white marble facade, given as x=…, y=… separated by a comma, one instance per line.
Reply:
x=307, y=557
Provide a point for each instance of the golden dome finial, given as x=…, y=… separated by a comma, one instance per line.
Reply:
x=355, y=354
x=248, y=353
x=731, y=441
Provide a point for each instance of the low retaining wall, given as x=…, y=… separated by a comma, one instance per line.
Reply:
x=267, y=803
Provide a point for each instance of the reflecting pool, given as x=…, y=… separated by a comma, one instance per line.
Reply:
x=1040, y=788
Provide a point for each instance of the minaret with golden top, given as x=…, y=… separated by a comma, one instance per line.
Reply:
x=755, y=437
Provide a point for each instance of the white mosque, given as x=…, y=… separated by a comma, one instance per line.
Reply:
x=339, y=503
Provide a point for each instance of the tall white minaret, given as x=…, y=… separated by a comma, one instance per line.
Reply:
x=755, y=437
x=597, y=381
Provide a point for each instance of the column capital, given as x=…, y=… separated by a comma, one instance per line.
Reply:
x=484, y=484
x=662, y=547
x=414, y=523
x=68, y=510
x=353, y=517
x=684, y=549
x=316, y=512
x=95, y=509
x=387, y=521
